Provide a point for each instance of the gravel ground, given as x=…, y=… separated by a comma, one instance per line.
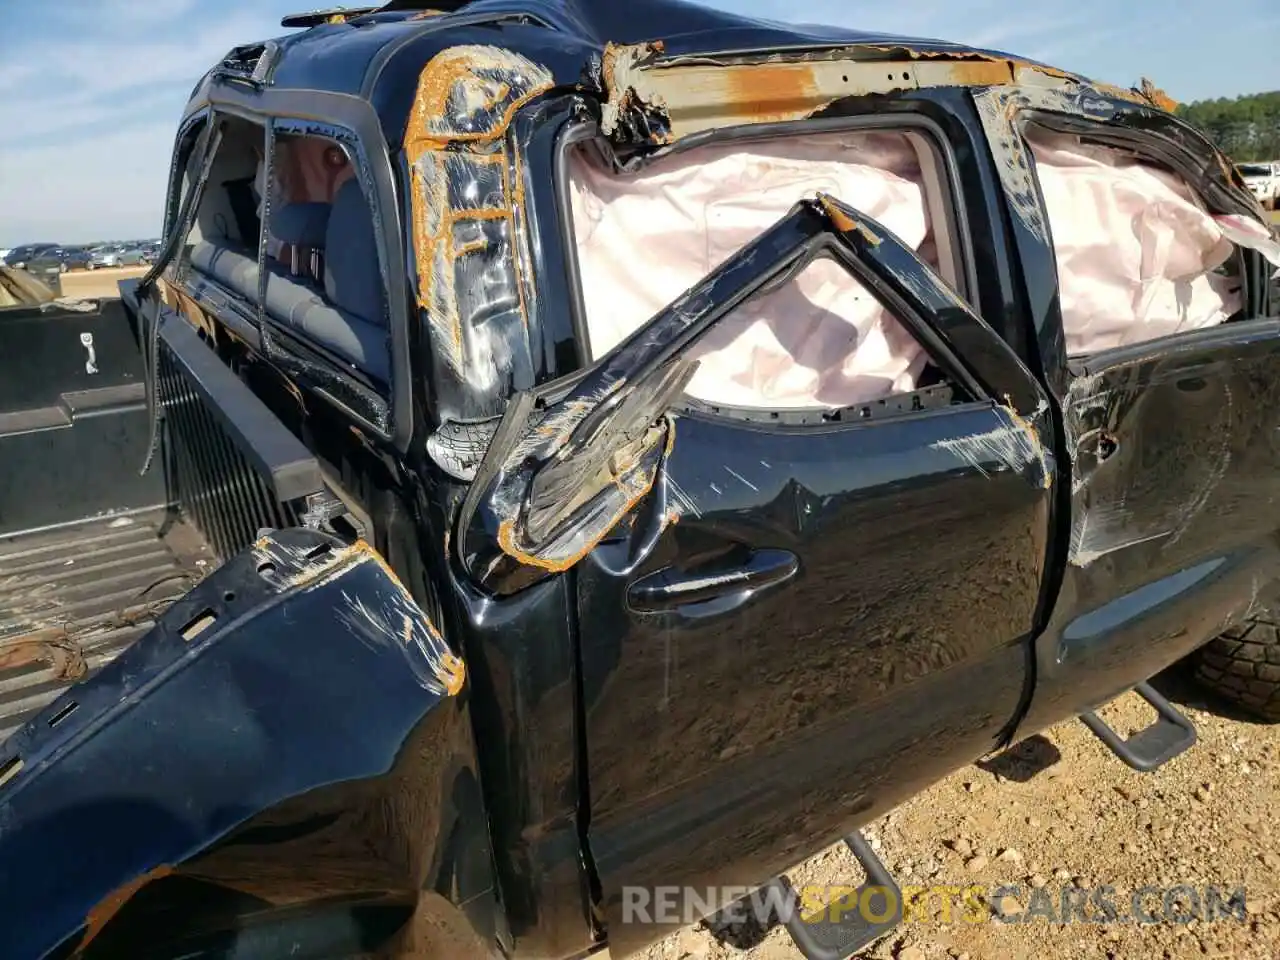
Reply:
x=1059, y=812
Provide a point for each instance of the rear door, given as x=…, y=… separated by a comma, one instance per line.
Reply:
x=788, y=623
x=1171, y=442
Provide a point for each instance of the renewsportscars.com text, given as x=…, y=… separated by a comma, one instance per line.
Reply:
x=977, y=903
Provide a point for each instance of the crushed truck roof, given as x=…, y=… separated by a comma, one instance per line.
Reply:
x=378, y=56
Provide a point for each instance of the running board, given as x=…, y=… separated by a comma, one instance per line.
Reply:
x=852, y=922
x=1153, y=746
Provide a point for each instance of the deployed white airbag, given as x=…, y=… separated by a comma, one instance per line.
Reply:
x=1135, y=252
x=1135, y=248
x=819, y=340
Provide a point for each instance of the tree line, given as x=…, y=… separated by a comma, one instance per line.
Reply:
x=1245, y=127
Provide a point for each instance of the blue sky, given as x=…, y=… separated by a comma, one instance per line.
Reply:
x=91, y=90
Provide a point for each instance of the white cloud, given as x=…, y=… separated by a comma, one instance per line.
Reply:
x=113, y=191
x=90, y=116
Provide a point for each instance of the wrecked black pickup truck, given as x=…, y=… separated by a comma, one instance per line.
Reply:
x=569, y=449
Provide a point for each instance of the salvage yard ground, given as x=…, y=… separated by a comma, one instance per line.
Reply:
x=97, y=283
x=1058, y=812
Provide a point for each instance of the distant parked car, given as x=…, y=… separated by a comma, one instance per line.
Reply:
x=116, y=256
x=132, y=257
x=68, y=258
x=18, y=256
x=1263, y=181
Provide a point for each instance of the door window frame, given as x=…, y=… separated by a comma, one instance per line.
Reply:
x=580, y=127
x=356, y=126
x=562, y=436
x=1160, y=139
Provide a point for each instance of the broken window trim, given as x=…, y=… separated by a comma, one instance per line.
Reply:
x=1176, y=161
x=243, y=317
x=184, y=142
x=551, y=438
x=922, y=132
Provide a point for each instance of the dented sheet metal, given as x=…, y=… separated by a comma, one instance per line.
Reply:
x=562, y=471
x=388, y=618
x=299, y=671
x=1016, y=444
x=656, y=100
x=1003, y=109
x=466, y=199
x=1173, y=445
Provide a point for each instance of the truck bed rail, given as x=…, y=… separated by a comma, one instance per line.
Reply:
x=234, y=468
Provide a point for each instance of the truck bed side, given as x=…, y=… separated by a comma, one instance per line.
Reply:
x=92, y=550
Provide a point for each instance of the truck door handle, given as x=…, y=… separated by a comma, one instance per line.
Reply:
x=672, y=589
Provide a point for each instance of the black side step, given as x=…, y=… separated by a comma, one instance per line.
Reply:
x=822, y=938
x=1153, y=746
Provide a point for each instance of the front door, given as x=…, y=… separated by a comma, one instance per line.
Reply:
x=788, y=622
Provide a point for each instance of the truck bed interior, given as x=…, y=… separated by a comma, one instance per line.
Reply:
x=92, y=549
x=73, y=597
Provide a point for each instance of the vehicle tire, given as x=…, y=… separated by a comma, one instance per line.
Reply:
x=1242, y=664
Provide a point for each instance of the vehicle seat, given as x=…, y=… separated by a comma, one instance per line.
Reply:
x=301, y=224
x=352, y=278
x=348, y=316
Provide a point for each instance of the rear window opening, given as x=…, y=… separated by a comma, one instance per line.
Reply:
x=324, y=284
x=1139, y=255
x=817, y=340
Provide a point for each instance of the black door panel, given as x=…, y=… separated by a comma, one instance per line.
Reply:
x=724, y=747
x=1176, y=454
x=784, y=627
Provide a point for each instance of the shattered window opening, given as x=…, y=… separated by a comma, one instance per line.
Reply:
x=821, y=340
x=1139, y=255
x=318, y=275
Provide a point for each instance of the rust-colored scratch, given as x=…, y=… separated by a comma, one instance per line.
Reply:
x=365, y=549
x=452, y=672
x=460, y=72
x=634, y=486
x=51, y=645
x=770, y=91
x=843, y=222
x=1157, y=96
x=98, y=918
x=1025, y=426
x=465, y=101
x=1147, y=96
x=450, y=669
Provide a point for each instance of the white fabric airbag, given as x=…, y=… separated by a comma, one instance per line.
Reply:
x=1135, y=249
x=819, y=340
x=1135, y=253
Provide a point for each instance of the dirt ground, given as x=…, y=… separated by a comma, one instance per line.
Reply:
x=1059, y=812
x=97, y=283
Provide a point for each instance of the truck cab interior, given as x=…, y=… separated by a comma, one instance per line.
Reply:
x=323, y=281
